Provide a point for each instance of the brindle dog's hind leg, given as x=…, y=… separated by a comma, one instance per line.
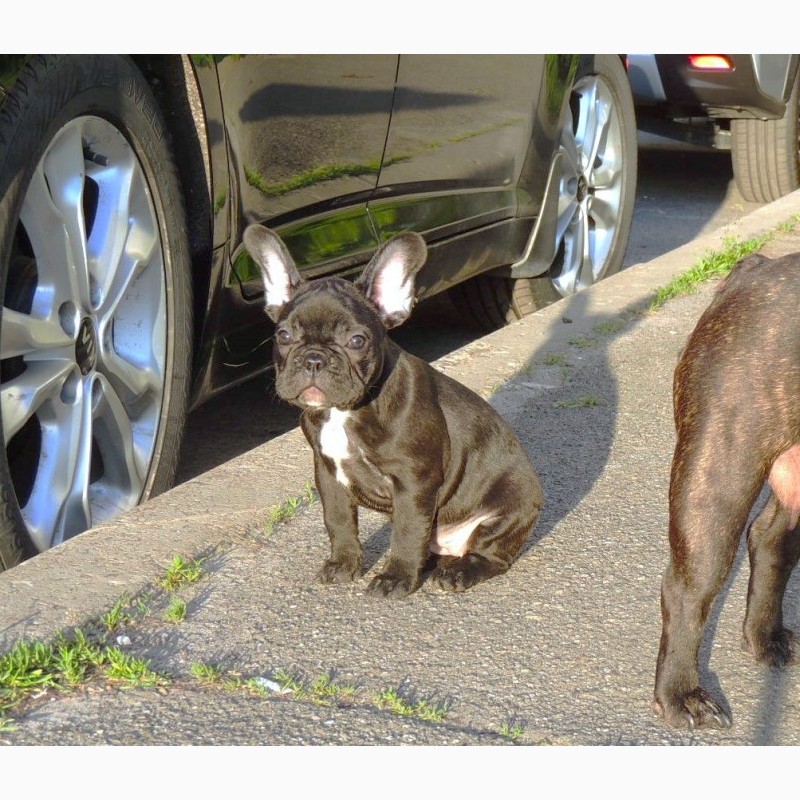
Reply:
x=774, y=548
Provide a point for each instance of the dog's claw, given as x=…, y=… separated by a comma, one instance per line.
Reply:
x=695, y=709
x=387, y=585
x=339, y=571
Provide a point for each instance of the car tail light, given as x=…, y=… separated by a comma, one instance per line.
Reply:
x=710, y=62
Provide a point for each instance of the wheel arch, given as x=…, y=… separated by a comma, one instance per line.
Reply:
x=176, y=88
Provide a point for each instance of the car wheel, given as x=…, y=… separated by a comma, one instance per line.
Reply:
x=95, y=334
x=597, y=191
x=766, y=153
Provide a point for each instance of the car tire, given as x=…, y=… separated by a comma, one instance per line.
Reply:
x=96, y=336
x=765, y=153
x=596, y=201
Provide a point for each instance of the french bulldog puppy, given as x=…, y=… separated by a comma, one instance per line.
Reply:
x=737, y=414
x=391, y=433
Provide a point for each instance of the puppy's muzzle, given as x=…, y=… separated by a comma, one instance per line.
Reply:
x=312, y=362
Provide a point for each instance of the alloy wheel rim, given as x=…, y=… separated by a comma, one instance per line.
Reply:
x=591, y=185
x=83, y=338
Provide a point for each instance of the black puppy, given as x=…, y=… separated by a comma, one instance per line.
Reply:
x=391, y=433
x=737, y=414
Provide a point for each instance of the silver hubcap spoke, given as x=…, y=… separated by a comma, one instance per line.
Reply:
x=24, y=335
x=116, y=434
x=83, y=337
x=591, y=186
x=22, y=397
x=59, y=503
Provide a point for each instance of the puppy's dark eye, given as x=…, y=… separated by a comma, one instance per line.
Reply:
x=357, y=342
x=283, y=336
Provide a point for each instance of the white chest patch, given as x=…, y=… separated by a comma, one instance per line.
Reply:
x=333, y=441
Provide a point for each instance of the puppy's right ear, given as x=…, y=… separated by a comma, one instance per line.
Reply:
x=280, y=274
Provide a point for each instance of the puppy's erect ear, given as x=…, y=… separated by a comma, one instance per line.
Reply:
x=281, y=277
x=388, y=280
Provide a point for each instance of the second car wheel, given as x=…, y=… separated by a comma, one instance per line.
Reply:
x=95, y=341
x=765, y=153
x=597, y=192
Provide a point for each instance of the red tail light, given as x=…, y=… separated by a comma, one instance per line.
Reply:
x=710, y=62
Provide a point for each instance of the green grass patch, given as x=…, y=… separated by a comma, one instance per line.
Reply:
x=554, y=360
x=609, y=327
x=119, y=615
x=393, y=701
x=288, y=508
x=129, y=670
x=324, y=690
x=511, y=731
x=32, y=667
x=206, y=673
x=715, y=264
x=587, y=401
x=181, y=572
x=176, y=611
x=582, y=342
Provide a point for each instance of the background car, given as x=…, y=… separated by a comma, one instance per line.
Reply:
x=747, y=104
x=126, y=184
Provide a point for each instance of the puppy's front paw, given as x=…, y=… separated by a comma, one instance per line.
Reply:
x=694, y=709
x=774, y=650
x=341, y=570
x=392, y=584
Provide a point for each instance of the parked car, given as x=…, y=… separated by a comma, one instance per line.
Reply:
x=747, y=104
x=126, y=184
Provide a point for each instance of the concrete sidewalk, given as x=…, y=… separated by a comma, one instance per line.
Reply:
x=562, y=647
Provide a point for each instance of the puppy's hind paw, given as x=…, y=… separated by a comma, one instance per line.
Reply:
x=339, y=571
x=459, y=574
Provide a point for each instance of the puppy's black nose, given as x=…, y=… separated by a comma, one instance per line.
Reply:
x=314, y=362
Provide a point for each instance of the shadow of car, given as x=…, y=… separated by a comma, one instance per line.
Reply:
x=126, y=183
x=744, y=103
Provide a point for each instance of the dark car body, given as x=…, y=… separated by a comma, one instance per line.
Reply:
x=518, y=170
x=337, y=154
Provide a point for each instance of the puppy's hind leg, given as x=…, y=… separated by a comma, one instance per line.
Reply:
x=773, y=543
x=491, y=550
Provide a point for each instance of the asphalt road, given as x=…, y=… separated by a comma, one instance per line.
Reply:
x=560, y=650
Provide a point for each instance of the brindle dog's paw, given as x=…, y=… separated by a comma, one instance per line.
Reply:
x=459, y=574
x=391, y=584
x=695, y=709
x=340, y=570
x=775, y=651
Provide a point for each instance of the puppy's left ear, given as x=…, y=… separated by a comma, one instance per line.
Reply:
x=280, y=274
x=388, y=279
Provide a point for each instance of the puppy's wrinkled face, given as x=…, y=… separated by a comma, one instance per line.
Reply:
x=328, y=346
x=330, y=334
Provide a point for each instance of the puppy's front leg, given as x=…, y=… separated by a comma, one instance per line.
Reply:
x=413, y=516
x=341, y=521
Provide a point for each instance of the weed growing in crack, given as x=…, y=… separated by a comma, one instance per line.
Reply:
x=206, y=673
x=392, y=700
x=715, y=264
x=587, y=401
x=511, y=731
x=288, y=508
x=176, y=612
x=118, y=615
x=181, y=572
